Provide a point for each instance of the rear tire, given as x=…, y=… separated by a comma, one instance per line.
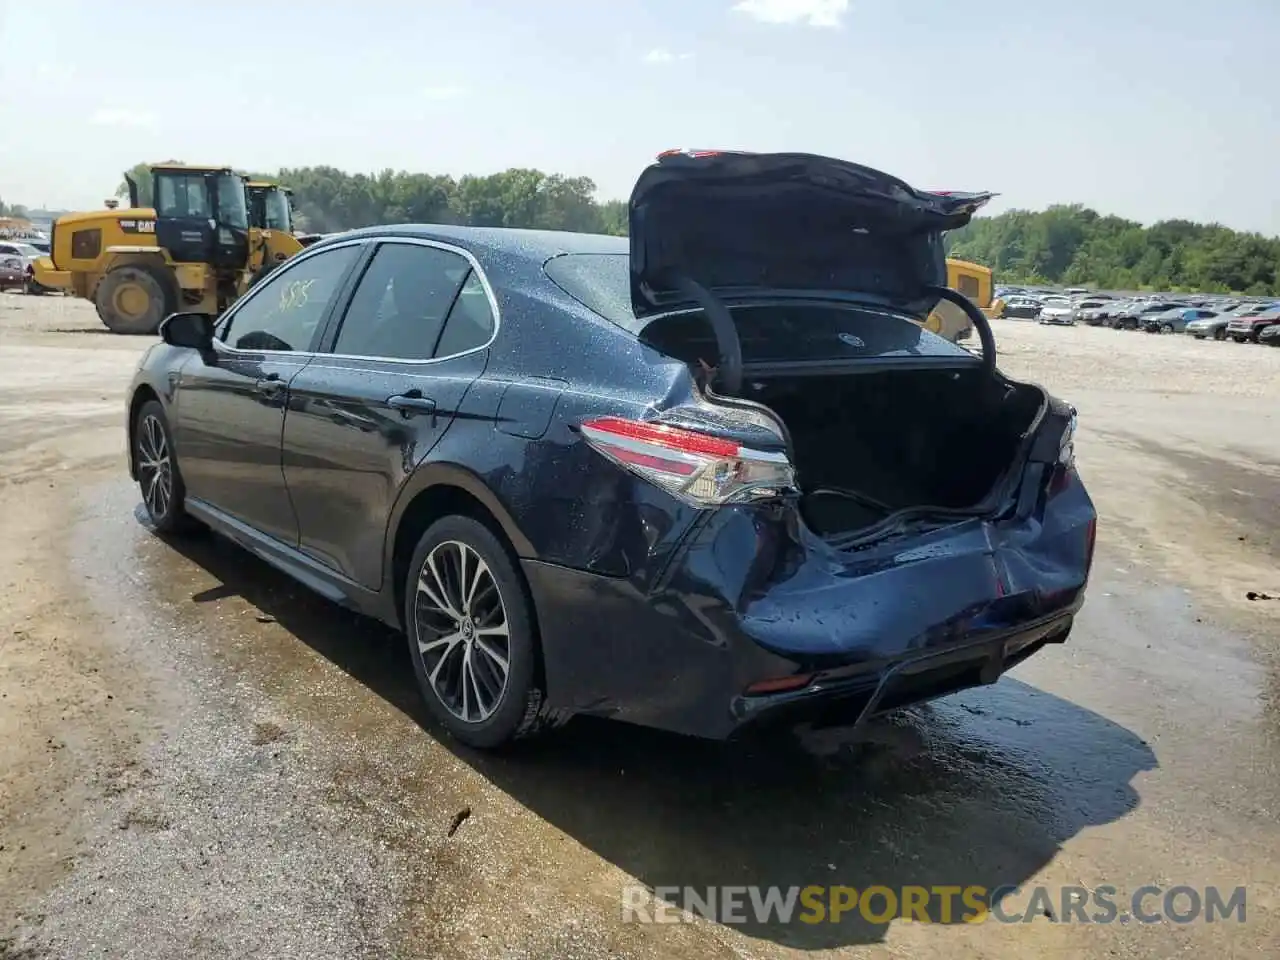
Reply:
x=133, y=300
x=1239, y=339
x=1219, y=334
x=1166, y=328
x=159, y=480
x=471, y=633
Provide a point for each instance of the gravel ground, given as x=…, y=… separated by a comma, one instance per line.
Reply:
x=198, y=759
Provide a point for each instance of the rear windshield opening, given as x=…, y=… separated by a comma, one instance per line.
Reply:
x=769, y=332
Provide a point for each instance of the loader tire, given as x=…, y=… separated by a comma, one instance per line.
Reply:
x=133, y=300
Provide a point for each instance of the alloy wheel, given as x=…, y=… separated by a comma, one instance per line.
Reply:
x=155, y=467
x=462, y=631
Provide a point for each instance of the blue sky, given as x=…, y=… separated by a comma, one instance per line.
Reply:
x=1146, y=109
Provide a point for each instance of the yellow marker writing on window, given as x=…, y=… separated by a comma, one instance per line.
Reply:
x=295, y=295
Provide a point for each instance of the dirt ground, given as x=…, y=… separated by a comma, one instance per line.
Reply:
x=199, y=759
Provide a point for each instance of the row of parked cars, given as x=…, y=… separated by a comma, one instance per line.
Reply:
x=17, y=259
x=1243, y=320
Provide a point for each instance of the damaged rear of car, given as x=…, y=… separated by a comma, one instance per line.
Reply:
x=870, y=515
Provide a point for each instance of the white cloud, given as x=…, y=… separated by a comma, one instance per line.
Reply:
x=814, y=13
x=663, y=55
x=122, y=117
x=447, y=92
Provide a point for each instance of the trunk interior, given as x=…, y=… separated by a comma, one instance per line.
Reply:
x=905, y=419
x=869, y=445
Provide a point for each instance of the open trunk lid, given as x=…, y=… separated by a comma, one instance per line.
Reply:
x=767, y=224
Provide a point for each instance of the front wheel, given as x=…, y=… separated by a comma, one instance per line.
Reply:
x=471, y=634
x=1166, y=328
x=1239, y=339
x=1219, y=334
x=163, y=492
x=132, y=300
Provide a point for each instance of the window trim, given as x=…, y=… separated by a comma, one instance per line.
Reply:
x=420, y=242
x=346, y=291
x=228, y=318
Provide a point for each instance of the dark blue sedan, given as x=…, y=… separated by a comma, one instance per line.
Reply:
x=710, y=476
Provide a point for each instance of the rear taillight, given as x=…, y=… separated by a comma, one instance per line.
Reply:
x=1065, y=466
x=779, y=685
x=698, y=468
x=1067, y=445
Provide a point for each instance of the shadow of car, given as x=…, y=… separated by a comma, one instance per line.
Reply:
x=982, y=789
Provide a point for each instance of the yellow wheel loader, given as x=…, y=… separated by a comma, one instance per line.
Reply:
x=271, y=208
x=975, y=282
x=271, y=235
x=192, y=249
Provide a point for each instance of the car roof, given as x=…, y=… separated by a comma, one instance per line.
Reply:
x=530, y=245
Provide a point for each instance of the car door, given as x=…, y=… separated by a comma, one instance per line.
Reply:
x=230, y=409
x=363, y=414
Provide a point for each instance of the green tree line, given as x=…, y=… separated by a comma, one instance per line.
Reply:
x=1070, y=245
x=327, y=199
x=1074, y=245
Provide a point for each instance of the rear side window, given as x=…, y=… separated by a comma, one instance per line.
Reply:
x=470, y=322
x=400, y=305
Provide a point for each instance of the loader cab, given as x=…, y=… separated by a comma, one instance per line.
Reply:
x=269, y=206
x=202, y=215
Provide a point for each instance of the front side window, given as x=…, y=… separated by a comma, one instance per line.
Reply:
x=399, y=308
x=969, y=286
x=285, y=313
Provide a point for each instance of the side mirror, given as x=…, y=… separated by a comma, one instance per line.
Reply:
x=194, y=330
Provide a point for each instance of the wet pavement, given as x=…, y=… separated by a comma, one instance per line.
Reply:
x=271, y=786
x=297, y=784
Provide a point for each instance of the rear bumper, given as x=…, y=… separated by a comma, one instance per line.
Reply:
x=851, y=700
x=849, y=634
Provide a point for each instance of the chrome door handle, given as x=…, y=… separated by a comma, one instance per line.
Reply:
x=411, y=403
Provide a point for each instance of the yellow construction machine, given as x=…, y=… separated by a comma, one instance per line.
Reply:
x=193, y=249
x=975, y=282
x=271, y=208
